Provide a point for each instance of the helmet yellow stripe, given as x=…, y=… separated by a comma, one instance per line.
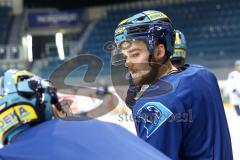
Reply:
x=177, y=40
x=123, y=21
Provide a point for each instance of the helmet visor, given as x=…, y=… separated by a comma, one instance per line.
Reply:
x=118, y=57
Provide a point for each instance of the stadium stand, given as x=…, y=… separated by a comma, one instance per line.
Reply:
x=211, y=29
x=5, y=22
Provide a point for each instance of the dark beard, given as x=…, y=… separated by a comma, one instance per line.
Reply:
x=151, y=76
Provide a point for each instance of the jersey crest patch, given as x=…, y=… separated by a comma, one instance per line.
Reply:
x=153, y=115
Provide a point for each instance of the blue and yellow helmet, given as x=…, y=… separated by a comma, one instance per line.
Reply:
x=26, y=100
x=180, y=49
x=153, y=27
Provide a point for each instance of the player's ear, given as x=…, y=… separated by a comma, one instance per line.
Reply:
x=159, y=52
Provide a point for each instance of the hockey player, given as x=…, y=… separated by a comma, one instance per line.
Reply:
x=29, y=130
x=233, y=87
x=179, y=113
x=177, y=59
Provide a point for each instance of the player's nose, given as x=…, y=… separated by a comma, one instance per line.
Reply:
x=128, y=63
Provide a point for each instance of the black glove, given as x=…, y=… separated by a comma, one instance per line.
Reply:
x=132, y=93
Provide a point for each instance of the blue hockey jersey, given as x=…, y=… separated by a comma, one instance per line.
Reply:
x=182, y=115
x=78, y=140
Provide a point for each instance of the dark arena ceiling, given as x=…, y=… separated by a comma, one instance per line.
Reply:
x=63, y=4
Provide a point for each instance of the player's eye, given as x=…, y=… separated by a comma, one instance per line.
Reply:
x=135, y=55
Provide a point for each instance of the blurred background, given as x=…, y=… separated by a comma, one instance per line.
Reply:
x=40, y=35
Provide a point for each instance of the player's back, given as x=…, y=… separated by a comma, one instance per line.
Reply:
x=80, y=140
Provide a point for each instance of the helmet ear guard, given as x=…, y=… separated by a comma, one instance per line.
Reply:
x=180, y=49
x=24, y=90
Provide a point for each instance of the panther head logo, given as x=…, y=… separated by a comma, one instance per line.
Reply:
x=151, y=116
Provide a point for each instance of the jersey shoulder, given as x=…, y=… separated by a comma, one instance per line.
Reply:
x=191, y=76
x=195, y=80
x=196, y=74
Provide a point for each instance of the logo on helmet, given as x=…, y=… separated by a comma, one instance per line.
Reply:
x=155, y=16
x=13, y=115
x=119, y=30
